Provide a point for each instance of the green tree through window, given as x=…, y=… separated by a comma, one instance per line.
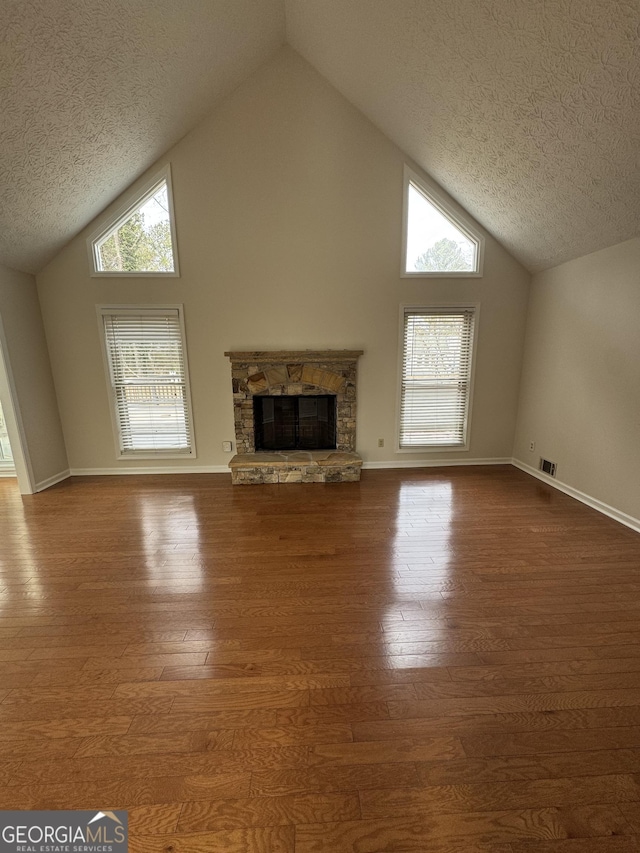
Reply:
x=134, y=248
x=445, y=255
x=142, y=240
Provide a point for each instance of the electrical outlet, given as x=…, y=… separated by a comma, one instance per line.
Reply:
x=532, y=446
x=381, y=442
x=227, y=446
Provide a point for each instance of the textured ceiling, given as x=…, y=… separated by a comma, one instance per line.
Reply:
x=526, y=111
x=92, y=92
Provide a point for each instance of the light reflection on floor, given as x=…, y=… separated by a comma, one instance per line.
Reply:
x=18, y=554
x=421, y=566
x=164, y=519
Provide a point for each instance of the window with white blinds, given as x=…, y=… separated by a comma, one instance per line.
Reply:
x=145, y=352
x=436, y=377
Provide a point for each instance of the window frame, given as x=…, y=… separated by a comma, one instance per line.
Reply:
x=131, y=201
x=438, y=200
x=7, y=464
x=440, y=308
x=121, y=454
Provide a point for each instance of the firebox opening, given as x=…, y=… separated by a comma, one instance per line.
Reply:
x=295, y=423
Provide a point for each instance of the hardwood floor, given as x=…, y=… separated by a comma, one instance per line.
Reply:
x=429, y=660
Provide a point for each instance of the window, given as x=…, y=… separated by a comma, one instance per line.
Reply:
x=436, y=240
x=435, y=389
x=149, y=382
x=139, y=239
x=6, y=457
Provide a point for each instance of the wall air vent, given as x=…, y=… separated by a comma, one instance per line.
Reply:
x=548, y=467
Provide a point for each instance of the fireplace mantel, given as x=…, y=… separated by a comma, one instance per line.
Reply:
x=294, y=373
x=271, y=356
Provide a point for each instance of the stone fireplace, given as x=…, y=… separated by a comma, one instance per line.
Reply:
x=323, y=374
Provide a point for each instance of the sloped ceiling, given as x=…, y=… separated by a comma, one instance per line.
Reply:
x=92, y=92
x=526, y=111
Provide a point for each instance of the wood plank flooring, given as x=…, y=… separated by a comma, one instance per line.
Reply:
x=429, y=660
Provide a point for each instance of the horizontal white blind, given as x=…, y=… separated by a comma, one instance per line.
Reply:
x=436, y=374
x=148, y=376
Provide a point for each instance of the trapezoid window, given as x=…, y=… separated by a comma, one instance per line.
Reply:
x=139, y=239
x=436, y=240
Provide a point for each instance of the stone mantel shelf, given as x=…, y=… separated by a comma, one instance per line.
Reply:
x=308, y=355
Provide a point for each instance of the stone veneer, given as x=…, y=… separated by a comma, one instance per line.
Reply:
x=295, y=466
x=294, y=373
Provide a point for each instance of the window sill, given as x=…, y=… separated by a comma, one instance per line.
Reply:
x=127, y=274
x=157, y=454
x=435, y=448
x=440, y=274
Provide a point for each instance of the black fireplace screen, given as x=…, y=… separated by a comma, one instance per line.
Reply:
x=295, y=423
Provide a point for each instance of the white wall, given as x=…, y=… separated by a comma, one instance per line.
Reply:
x=29, y=397
x=580, y=395
x=288, y=205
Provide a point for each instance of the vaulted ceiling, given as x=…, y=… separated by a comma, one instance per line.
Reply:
x=92, y=92
x=528, y=113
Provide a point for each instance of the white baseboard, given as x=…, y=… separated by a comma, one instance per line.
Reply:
x=594, y=503
x=164, y=469
x=434, y=463
x=51, y=481
x=224, y=469
x=5, y=471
